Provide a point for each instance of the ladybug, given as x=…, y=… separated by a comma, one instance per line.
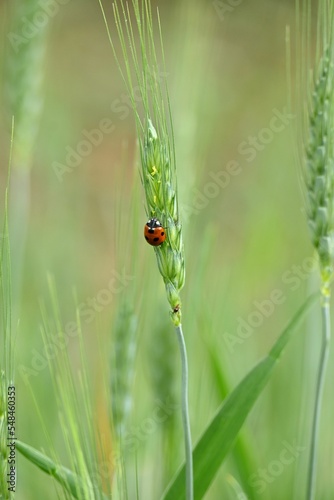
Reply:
x=154, y=233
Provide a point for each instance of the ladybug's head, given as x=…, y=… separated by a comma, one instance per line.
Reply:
x=153, y=223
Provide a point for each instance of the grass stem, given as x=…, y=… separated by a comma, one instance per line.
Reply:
x=185, y=416
x=326, y=333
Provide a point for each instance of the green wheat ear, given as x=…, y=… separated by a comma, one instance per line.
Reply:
x=159, y=181
x=319, y=185
x=140, y=70
x=123, y=368
x=320, y=167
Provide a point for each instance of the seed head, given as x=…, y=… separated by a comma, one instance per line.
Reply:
x=159, y=181
x=155, y=133
x=320, y=167
x=123, y=369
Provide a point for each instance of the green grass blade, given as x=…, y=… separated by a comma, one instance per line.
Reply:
x=220, y=435
x=68, y=479
x=242, y=454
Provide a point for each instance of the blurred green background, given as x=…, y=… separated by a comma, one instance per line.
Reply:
x=226, y=68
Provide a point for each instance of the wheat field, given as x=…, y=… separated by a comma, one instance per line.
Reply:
x=86, y=336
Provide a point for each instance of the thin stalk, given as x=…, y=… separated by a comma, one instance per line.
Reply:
x=326, y=333
x=185, y=416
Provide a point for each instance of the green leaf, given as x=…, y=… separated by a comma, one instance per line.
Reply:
x=68, y=479
x=242, y=454
x=217, y=440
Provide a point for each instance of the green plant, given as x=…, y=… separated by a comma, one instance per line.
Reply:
x=7, y=371
x=65, y=425
x=319, y=187
x=158, y=169
x=24, y=65
x=221, y=433
x=122, y=368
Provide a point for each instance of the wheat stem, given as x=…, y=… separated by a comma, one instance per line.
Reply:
x=326, y=334
x=185, y=416
x=320, y=202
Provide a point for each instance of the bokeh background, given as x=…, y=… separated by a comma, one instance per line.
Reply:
x=226, y=73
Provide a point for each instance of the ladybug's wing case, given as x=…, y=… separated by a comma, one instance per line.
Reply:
x=149, y=232
x=154, y=232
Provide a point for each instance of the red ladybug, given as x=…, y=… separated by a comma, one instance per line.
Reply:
x=154, y=233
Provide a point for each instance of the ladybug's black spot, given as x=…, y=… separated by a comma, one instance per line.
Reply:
x=162, y=234
x=146, y=238
x=151, y=231
x=155, y=239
